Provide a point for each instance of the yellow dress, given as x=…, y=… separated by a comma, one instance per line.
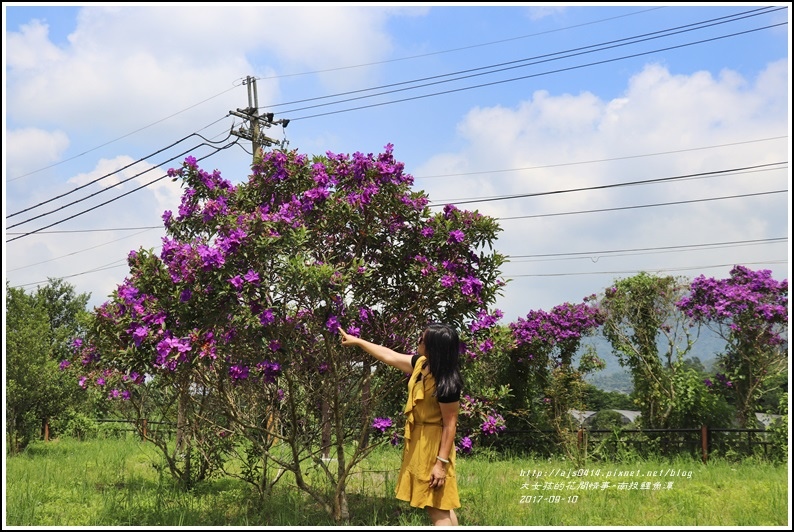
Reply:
x=422, y=441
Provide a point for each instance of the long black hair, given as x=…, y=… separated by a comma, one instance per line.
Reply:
x=442, y=346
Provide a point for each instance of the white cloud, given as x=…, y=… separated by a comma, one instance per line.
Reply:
x=33, y=148
x=31, y=46
x=658, y=112
x=120, y=58
x=124, y=176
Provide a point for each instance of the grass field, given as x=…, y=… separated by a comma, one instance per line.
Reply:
x=112, y=482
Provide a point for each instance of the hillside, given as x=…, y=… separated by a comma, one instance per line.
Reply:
x=616, y=378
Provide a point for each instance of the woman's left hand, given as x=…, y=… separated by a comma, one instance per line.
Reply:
x=438, y=476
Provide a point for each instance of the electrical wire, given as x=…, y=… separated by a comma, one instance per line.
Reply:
x=462, y=48
x=206, y=143
x=510, y=80
x=715, y=173
x=655, y=249
x=614, y=209
x=608, y=160
x=114, y=199
x=530, y=61
x=125, y=136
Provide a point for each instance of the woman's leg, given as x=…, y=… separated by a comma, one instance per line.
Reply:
x=442, y=517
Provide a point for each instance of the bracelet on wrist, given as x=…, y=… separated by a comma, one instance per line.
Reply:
x=442, y=459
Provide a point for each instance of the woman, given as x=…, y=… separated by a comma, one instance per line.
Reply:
x=427, y=475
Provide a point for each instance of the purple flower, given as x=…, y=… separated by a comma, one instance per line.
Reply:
x=139, y=335
x=465, y=445
x=100, y=381
x=269, y=370
x=236, y=282
x=427, y=231
x=64, y=364
x=493, y=424
x=238, y=372
x=381, y=423
x=455, y=236
x=449, y=210
x=365, y=314
x=448, y=281
x=332, y=324
x=266, y=318
x=251, y=277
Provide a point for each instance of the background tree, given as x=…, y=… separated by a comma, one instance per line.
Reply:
x=543, y=374
x=26, y=365
x=749, y=310
x=67, y=315
x=597, y=399
x=38, y=330
x=649, y=334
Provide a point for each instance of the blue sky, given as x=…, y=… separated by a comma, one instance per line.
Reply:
x=584, y=98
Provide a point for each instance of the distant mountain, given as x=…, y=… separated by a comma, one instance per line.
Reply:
x=615, y=378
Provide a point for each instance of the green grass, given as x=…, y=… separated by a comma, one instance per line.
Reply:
x=112, y=482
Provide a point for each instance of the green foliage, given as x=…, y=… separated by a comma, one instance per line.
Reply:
x=76, y=425
x=649, y=335
x=605, y=420
x=696, y=404
x=597, y=399
x=28, y=366
x=780, y=433
x=38, y=331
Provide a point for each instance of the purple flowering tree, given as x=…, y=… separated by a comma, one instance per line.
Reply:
x=482, y=408
x=544, y=374
x=749, y=310
x=235, y=322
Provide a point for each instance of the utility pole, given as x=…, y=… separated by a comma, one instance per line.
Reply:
x=252, y=129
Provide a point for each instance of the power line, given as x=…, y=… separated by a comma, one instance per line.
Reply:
x=206, y=143
x=519, y=78
x=118, y=264
x=14, y=214
x=775, y=240
x=318, y=72
x=715, y=173
x=610, y=159
x=126, y=135
x=529, y=62
x=612, y=209
x=77, y=252
x=469, y=47
x=113, y=199
x=102, y=229
x=109, y=266
x=659, y=270
x=106, y=189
